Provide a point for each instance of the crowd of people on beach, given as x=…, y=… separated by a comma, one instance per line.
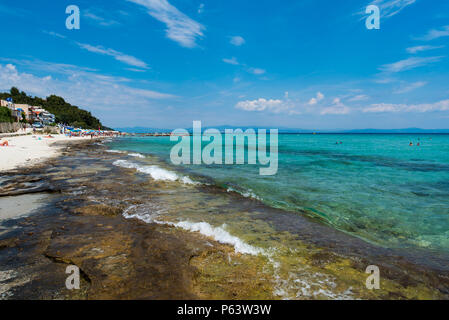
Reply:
x=66, y=131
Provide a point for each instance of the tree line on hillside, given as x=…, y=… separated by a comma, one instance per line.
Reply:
x=64, y=112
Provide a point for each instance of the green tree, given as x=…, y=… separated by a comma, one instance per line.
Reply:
x=5, y=115
x=64, y=112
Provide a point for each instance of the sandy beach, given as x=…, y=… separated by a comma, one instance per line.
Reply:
x=31, y=149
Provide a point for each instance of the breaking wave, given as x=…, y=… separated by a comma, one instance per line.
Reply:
x=309, y=285
x=219, y=234
x=136, y=155
x=157, y=173
x=246, y=194
x=115, y=151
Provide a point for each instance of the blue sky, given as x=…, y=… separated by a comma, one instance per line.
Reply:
x=308, y=64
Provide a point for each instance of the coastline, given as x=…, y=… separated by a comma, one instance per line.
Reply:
x=29, y=150
x=83, y=222
x=118, y=258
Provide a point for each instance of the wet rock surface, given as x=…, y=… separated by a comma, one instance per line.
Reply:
x=82, y=224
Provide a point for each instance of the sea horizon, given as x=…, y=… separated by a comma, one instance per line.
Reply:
x=283, y=130
x=228, y=156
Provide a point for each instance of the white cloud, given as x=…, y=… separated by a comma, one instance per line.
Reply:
x=313, y=101
x=293, y=107
x=233, y=61
x=180, y=27
x=384, y=80
x=435, y=34
x=360, y=97
x=135, y=70
x=256, y=71
x=201, y=8
x=54, y=34
x=337, y=108
x=261, y=104
x=417, y=49
x=336, y=101
x=58, y=68
x=318, y=98
x=410, y=87
x=98, y=93
x=237, y=41
x=119, y=56
x=419, y=108
x=390, y=8
x=88, y=14
x=408, y=64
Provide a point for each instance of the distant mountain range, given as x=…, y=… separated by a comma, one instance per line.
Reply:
x=142, y=130
x=407, y=130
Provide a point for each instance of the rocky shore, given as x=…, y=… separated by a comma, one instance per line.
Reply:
x=78, y=220
x=118, y=258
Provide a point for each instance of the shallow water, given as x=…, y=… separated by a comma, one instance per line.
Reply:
x=21, y=206
x=264, y=252
x=375, y=187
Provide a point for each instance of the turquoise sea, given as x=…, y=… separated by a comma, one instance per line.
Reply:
x=372, y=186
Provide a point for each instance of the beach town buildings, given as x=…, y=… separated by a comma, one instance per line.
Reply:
x=15, y=113
x=37, y=114
x=23, y=108
x=32, y=113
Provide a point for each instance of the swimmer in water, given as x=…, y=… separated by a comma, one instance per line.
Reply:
x=411, y=144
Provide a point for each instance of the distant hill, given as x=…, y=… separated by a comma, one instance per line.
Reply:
x=407, y=130
x=143, y=130
x=63, y=111
x=220, y=128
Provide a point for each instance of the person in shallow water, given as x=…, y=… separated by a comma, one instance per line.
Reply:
x=411, y=144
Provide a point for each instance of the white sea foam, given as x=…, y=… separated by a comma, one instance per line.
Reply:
x=147, y=213
x=219, y=234
x=246, y=194
x=309, y=284
x=136, y=155
x=157, y=173
x=115, y=151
